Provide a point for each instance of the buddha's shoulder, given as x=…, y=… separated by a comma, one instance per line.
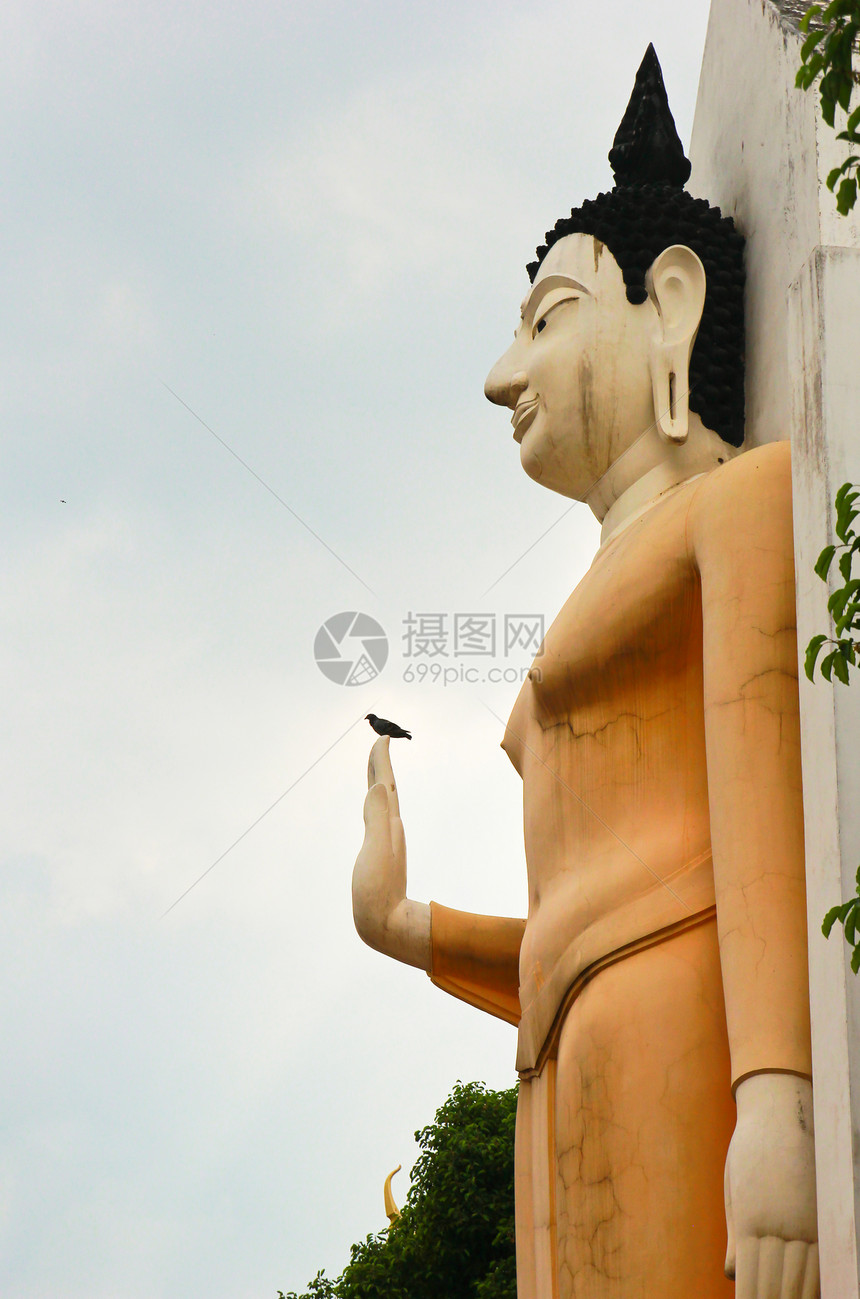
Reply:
x=752, y=486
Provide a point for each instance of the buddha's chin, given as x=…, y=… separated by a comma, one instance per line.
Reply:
x=530, y=461
x=551, y=477
x=547, y=472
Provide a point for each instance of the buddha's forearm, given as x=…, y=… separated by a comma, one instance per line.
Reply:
x=401, y=931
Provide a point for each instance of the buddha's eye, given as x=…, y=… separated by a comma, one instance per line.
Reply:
x=551, y=306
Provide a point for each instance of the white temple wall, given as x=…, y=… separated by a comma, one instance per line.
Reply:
x=825, y=338
x=761, y=151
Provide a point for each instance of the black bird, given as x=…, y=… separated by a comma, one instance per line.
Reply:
x=382, y=727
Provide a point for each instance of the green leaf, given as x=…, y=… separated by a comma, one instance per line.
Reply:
x=823, y=562
x=845, y=515
x=845, y=564
x=828, y=110
x=840, y=667
x=832, y=77
x=827, y=665
x=812, y=12
x=813, y=649
x=846, y=495
x=847, y=196
x=851, y=923
x=855, y=959
x=830, y=920
x=811, y=41
x=846, y=623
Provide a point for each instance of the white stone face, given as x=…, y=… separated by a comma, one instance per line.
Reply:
x=599, y=386
x=577, y=375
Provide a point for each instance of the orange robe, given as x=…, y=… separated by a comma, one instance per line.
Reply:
x=664, y=955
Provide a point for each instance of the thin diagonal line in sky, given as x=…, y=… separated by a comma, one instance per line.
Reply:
x=262, y=815
x=528, y=548
x=585, y=495
x=588, y=809
x=269, y=489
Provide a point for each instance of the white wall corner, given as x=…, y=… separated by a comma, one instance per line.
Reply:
x=761, y=152
x=824, y=334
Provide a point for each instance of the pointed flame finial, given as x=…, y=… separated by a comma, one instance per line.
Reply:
x=647, y=149
x=391, y=1210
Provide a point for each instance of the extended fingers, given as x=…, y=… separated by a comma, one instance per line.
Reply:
x=731, y=1250
x=380, y=771
x=811, y=1278
x=746, y=1268
x=398, y=838
x=800, y=1271
x=771, y=1253
x=377, y=826
x=772, y=1268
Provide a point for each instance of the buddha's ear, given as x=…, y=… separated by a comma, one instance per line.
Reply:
x=676, y=286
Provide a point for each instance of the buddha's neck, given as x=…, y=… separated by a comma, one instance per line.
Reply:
x=648, y=469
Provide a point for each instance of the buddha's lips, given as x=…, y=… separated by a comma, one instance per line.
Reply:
x=523, y=416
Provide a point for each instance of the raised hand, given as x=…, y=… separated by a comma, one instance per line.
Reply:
x=385, y=918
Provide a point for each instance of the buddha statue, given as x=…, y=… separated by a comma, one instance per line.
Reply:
x=659, y=983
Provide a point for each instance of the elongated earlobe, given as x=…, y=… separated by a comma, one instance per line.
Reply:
x=676, y=286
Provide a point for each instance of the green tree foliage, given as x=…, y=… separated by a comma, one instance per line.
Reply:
x=829, y=52
x=844, y=603
x=455, y=1239
x=844, y=608
x=848, y=915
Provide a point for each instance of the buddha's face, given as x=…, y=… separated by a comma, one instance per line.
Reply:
x=577, y=374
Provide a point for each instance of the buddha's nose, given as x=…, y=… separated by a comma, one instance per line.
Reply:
x=504, y=387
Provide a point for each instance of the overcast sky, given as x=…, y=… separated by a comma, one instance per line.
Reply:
x=310, y=222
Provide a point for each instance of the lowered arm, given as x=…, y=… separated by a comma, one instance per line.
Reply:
x=741, y=534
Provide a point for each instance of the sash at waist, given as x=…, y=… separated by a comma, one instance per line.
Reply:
x=679, y=900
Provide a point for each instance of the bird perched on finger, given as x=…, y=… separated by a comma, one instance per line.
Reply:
x=383, y=727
